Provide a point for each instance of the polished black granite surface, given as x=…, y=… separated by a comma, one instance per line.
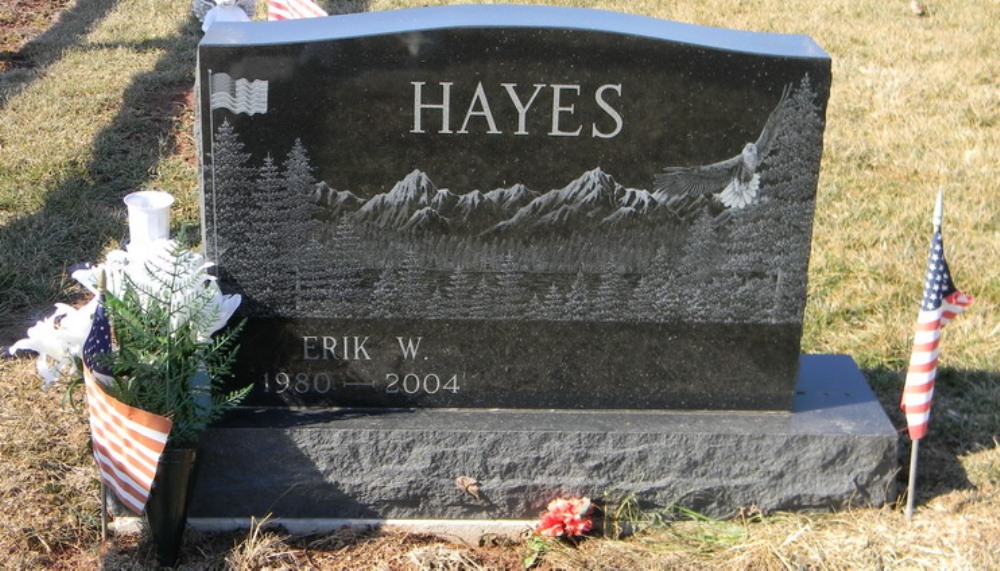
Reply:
x=529, y=207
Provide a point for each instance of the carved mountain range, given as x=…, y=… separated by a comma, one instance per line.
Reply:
x=416, y=205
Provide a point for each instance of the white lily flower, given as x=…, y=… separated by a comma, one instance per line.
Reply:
x=113, y=268
x=223, y=307
x=42, y=337
x=200, y=305
x=87, y=277
x=75, y=327
x=49, y=375
x=58, y=340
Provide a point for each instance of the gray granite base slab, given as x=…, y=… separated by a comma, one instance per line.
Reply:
x=836, y=447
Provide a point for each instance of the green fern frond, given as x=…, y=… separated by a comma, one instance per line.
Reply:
x=157, y=322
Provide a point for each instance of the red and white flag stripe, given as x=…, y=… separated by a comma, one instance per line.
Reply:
x=127, y=444
x=918, y=392
x=953, y=305
x=293, y=9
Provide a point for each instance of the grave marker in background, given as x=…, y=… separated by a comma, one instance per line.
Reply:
x=464, y=235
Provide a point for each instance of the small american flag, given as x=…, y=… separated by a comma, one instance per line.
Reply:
x=98, y=345
x=293, y=9
x=127, y=441
x=942, y=302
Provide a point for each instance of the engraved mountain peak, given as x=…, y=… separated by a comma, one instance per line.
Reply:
x=336, y=201
x=426, y=220
x=395, y=208
x=416, y=205
x=511, y=198
x=586, y=200
x=470, y=201
x=640, y=200
x=623, y=215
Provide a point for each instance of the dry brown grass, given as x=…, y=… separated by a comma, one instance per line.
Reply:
x=914, y=107
x=48, y=488
x=49, y=482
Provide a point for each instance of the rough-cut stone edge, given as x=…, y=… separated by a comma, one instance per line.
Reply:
x=836, y=448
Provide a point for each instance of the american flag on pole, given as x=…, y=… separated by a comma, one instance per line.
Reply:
x=239, y=96
x=942, y=302
x=293, y=9
x=127, y=441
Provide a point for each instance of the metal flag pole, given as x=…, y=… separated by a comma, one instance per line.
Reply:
x=101, y=284
x=912, y=489
x=104, y=511
x=915, y=444
x=211, y=151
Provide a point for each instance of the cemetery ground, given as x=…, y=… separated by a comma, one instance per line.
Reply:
x=98, y=103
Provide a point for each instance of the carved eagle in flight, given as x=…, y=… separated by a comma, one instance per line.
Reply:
x=733, y=182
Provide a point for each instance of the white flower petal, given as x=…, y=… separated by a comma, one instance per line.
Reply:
x=75, y=326
x=49, y=377
x=42, y=337
x=87, y=277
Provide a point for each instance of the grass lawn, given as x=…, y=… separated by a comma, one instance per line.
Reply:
x=99, y=104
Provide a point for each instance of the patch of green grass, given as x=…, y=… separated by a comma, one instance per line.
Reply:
x=76, y=140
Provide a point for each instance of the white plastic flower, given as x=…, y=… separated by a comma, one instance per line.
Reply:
x=58, y=340
x=113, y=269
x=223, y=307
x=201, y=305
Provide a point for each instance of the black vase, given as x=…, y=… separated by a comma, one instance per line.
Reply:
x=167, y=507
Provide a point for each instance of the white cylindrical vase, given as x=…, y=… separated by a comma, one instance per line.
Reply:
x=148, y=217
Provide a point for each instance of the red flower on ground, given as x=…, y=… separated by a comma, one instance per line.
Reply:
x=566, y=517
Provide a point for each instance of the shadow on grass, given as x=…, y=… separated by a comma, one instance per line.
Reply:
x=23, y=258
x=965, y=418
x=269, y=546
x=31, y=61
x=83, y=212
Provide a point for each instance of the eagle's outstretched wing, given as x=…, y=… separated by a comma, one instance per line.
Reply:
x=707, y=179
x=767, y=135
x=731, y=180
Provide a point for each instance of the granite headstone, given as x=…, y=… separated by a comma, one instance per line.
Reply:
x=468, y=237
x=513, y=207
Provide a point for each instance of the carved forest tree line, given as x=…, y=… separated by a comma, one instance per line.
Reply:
x=294, y=250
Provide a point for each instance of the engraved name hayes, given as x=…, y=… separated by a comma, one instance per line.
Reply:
x=435, y=110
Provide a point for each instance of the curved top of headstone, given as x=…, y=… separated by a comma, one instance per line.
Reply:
x=504, y=16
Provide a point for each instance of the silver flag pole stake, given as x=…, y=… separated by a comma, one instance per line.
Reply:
x=104, y=511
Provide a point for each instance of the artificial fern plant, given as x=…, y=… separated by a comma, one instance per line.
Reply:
x=169, y=360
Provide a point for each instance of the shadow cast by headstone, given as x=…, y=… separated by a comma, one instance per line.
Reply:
x=199, y=550
x=248, y=548
x=963, y=420
x=251, y=472
x=255, y=464
x=29, y=63
x=82, y=213
x=364, y=465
